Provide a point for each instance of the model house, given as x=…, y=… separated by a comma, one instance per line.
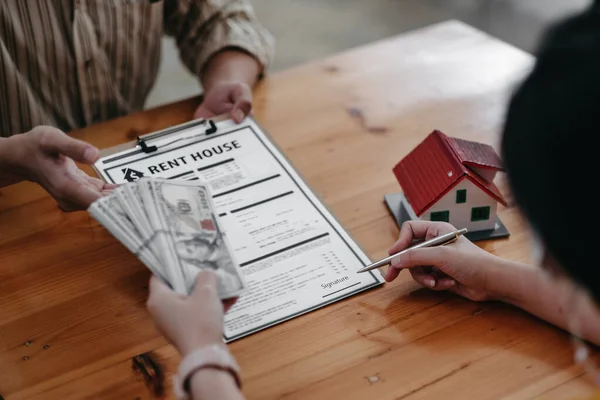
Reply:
x=450, y=179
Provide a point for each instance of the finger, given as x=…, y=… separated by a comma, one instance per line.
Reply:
x=203, y=112
x=158, y=288
x=439, y=257
x=409, y=231
x=91, y=181
x=57, y=142
x=81, y=197
x=242, y=99
x=72, y=195
x=107, y=191
x=445, y=283
x=412, y=230
x=392, y=273
x=206, y=292
x=422, y=277
x=110, y=186
x=159, y=293
x=205, y=288
x=240, y=110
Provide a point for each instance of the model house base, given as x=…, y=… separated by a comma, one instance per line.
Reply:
x=401, y=210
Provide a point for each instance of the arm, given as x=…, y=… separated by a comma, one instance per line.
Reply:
x=47, y=156
x=231, y=66
x=223, y=44
x=228, y=79
x=8, y=169
x=214, y=384
x=194, y=322
x=553, y=299
x=212, y=34
x=471, y=272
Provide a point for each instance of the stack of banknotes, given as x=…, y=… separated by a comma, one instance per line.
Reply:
x=172, y=227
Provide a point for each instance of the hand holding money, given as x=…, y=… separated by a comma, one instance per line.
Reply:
x=178, y=317
x=172, y=228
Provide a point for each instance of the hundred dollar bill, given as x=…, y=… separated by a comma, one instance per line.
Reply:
x=130, y=198
x=158, y=240
x=109, y=213
x=191, y=232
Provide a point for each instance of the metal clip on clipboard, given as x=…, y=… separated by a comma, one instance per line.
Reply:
x=142, y=141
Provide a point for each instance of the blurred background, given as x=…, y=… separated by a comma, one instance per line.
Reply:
x=306, y=30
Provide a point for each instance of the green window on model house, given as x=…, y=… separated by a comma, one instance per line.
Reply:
x=440, y=216
x=461, y=196
x=480, y=213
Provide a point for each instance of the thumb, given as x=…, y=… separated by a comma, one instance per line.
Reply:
x=205, y=288
x=159, y=292
x=439, y=257
x=58, y=142
x=84, y=196
x=202, y=112
x=242, y=103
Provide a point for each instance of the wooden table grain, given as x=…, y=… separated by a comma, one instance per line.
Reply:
x=72, y=299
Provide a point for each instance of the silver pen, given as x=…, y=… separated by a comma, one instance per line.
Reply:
x=436, y=241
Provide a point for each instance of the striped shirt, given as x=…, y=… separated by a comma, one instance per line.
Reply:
x=71, y=63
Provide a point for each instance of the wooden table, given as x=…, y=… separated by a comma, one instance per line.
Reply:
x=72, y=299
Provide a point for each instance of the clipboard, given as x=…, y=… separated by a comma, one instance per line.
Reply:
x=264, y=190
x=144, y=143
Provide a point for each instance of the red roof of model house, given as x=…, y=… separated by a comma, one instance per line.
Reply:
x=439, y=163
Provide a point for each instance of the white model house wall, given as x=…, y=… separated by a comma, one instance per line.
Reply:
x=460, y=214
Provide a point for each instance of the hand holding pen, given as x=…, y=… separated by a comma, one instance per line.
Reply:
x=460, y=267
x=440, y=240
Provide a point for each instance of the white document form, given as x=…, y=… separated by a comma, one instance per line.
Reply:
x=294, y=255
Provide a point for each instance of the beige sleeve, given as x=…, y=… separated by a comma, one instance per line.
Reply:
x=202, y=28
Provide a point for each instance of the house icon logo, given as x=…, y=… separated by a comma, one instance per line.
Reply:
x=131, y=175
